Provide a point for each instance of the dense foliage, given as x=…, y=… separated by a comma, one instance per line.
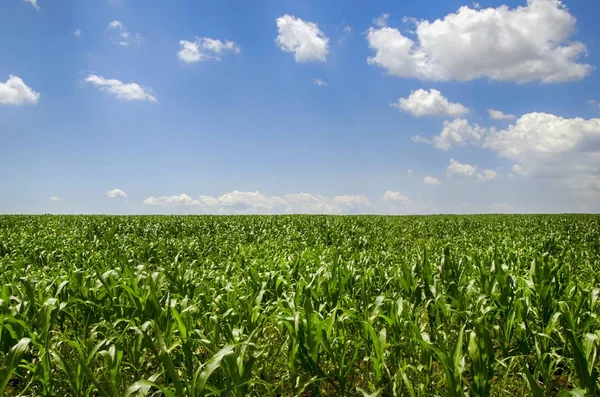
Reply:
x=299, y=305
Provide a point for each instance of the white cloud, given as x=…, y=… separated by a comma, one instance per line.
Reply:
x=565, y=150
x=458, y=168
x=205, y=48
x=430, y=103
x=398, y=203
x=410, y=172
x=545, y=135
x=15, y=92
x=172, y=201
x=394, y=196
x=257, y=202
x=320, y=82
x=122, y=36
x=304, y=39
x=116, y=193
x=498, y=115
x=351, y=202
x=78, y=32
x=457, y=132
x=345, y=33
x=381, y=20
x=487, y=175
x=522, y=44
x=55, y=198
x=518, y=170
x=429, y=180
x=594, y=103
x=33, y=3
x=125, y=91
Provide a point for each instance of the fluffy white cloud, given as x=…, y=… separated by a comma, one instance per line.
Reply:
x=430, y=103
x=304, y=39
x=33, y=3
x=257, y=202
x=458, y=168
x=205, y=48
x=55, y=198
x=594, y=103
x=122, y=36
x=562, y=149
x=15, y=92
x=498, y=115
x=565, y=152
x=172, y=201
x=126, y=91
x=544, y=135
x=429, y=180
x=457, y=132
x=320, y=82
x=410, y=172
x=526, y=43
x=116, y=193
x=397, y=203
x=78, y=32
x=394, y=196
x=351, y=202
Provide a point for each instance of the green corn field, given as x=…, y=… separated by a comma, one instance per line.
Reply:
x=485, y=305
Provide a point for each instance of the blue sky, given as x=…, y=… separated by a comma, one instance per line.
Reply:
x=107, y=112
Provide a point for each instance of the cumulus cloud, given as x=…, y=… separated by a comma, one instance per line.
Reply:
x=522, y=44
x=429, y=180
x=116, y=193
x=398, y=203
x=257, y=202
x=125, y=91
x=122, y=36
x=394, y=196
x=563, y=151
x=16, y=93
x=55, y=198
x=205, y=48
x=304, y=39
x=454, y=133
x=320, y=82
x=566, y=150
x=430, y=103
x=498, y=115
x=457, y=168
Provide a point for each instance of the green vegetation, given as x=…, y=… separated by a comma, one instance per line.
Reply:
x=299, y=305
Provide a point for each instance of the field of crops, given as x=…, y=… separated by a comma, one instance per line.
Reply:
x=299, y=305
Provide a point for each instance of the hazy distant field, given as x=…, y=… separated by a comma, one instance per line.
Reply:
x=299, y=305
